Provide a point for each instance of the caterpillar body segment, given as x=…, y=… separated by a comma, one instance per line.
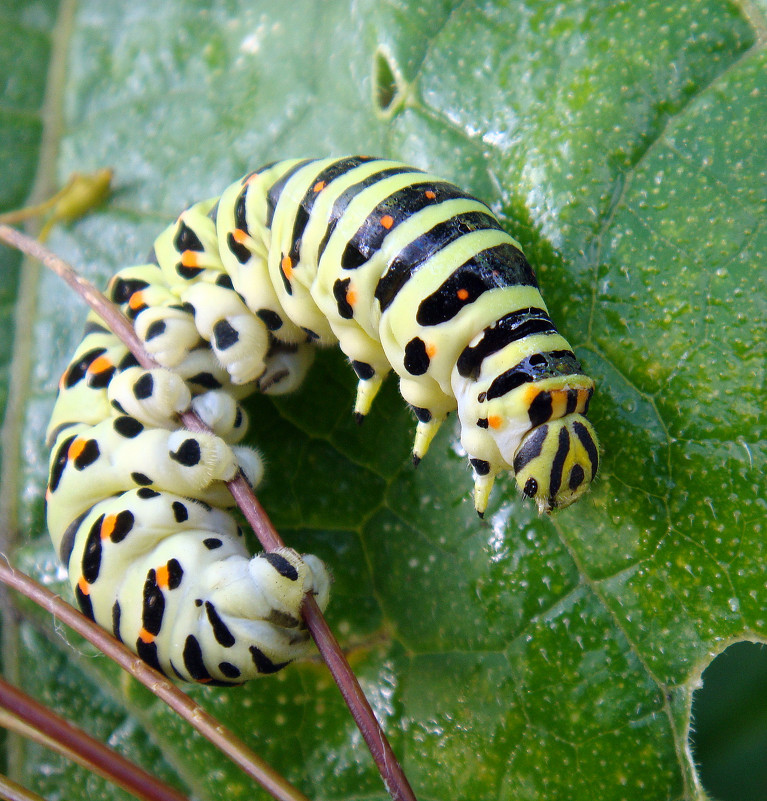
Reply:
x=189, y=599
x=407, y=273
x=135, y=508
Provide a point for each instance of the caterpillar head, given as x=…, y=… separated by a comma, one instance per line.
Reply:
x=539, y=431
x=557, y=461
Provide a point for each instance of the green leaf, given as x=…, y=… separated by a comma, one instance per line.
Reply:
x=622, y=144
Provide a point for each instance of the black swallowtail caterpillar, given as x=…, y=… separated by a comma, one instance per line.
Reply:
x=407, y=273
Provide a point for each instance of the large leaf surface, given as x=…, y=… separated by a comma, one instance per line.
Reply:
x=622, y=143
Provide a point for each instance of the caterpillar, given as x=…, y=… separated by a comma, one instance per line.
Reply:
x=406, y=272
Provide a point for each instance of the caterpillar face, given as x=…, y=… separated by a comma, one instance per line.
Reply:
x=557, y=461
x=515, y=376
x=537, y=431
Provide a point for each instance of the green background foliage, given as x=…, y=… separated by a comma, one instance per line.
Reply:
x=622, y=144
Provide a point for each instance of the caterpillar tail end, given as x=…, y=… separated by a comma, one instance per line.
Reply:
x=424, y=434
x=483, y=485
x=367, y=389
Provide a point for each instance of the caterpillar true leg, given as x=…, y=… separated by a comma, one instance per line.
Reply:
x=367, y=389
x=425, y=432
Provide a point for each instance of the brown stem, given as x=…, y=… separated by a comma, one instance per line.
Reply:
x=391, y=771
x=84, y=748
x=11, y=791
x=328, y=646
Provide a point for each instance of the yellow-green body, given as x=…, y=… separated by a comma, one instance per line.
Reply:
x=406, y=273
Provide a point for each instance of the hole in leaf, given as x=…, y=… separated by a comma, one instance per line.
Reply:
x=388, y=92
x=729, y=724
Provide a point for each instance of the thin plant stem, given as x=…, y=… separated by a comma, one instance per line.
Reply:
x=11, y=791
x=75, y=744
